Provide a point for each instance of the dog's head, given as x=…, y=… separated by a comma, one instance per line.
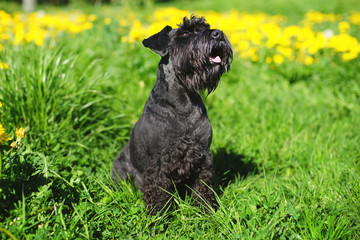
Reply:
x=199, y=55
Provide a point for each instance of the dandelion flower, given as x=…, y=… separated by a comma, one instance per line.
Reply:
x=349, y=56
x=308, y=60
x=254, y=58
x=268, y=60
x=3, y=136
x=107, y=21
x=92, y=17
x=20, y=132
x=343, y=26
x=278, y=59
x=13, y=145
x=4, y=65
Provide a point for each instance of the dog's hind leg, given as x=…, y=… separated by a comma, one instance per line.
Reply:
x=122, y=167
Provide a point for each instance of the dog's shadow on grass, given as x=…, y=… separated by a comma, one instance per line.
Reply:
x=229, y=165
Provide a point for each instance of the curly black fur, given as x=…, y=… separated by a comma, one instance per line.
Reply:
x=185, y=165
x=194, y=68
x=169, y=145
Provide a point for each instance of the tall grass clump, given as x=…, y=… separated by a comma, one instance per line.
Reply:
x=60, y=96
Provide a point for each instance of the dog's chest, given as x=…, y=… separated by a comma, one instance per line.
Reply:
x=192, y=122
x=197, y=121
x=170, y=121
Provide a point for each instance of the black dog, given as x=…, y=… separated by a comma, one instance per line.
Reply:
x=169, y=146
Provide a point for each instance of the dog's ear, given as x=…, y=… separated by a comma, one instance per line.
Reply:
x=159, y=42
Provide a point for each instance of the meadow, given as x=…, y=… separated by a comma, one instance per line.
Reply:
x=285, y=118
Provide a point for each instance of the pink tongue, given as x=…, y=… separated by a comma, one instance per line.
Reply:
x=216, y=59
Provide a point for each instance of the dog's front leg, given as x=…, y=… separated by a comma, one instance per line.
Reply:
x=203, y=191
x=156, y=191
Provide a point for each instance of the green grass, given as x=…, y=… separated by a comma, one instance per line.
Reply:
x=286, y=146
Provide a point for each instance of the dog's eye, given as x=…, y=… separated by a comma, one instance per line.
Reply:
x=186, y=34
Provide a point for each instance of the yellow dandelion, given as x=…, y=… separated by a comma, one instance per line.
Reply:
x=243, y=45
x=107, y=21
x=285, y=51
x=4, y=137
x=0, y=104
x=355, y=18
x=13, y=145
x=86, y=26
x=278, y=59
x=349, y=56
x=343, y=26
x=255, y=58
x=92, y=17
x=20, y=132
x=4, y=65
x=308, y=60
x=268, y=60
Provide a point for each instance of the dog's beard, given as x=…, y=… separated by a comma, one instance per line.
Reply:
x=202, y=63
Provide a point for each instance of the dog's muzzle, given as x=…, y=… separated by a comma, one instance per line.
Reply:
x=216, y=55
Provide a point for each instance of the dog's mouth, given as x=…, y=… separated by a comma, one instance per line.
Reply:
x=215, y=60
x=215, y=56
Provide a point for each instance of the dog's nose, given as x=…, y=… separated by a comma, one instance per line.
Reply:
x=216, y=34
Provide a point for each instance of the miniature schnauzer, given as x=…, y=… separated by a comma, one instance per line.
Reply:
x=168, y=150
